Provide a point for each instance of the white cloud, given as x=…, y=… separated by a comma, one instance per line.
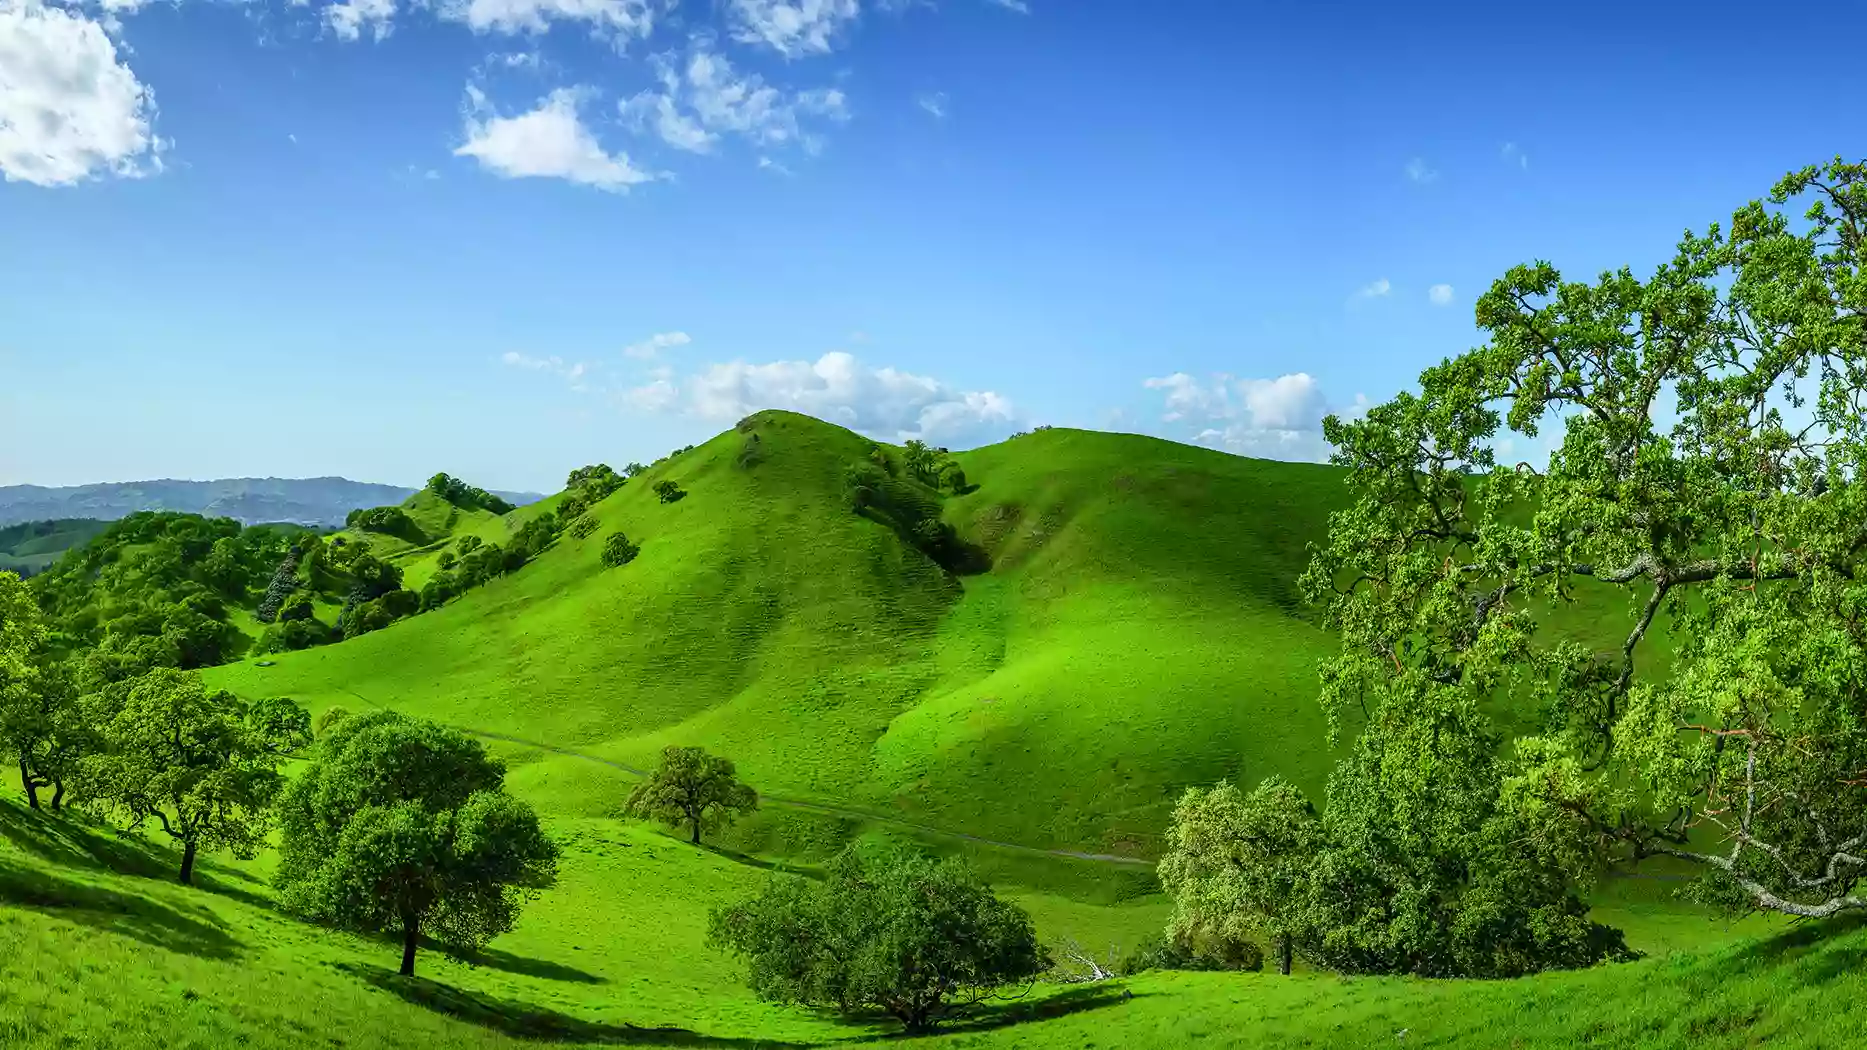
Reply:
x=791, y=27
x=70, y=109
x=933, y=102
x=1439, y=294
x=1513, y=153
x=1417, y=171
x=881, y=402
x=551, y=141
x=1376, y=290
x=350, y=19
x=617, y=20
x=573, y=372
x=1273, y=418
x=1012, y=5
x=648, y=348
x=704, y=97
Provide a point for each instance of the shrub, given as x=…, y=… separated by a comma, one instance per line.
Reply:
x=299, y=606
x=669, y=492
x=289, y=636
x=617, y=550
x=918, y=939
x=582, y=527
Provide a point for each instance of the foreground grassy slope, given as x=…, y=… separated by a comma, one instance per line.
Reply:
x=97, y=949
x=1137, y=633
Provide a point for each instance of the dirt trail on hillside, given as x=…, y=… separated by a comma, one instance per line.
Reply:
x=798, y=803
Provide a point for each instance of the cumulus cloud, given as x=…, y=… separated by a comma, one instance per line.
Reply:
x=1439, y=294
x=70, y=108
x=933, y=102
x=550, y=141
x=881, y=402
x=648, y=348
x=705, y=97
x=1514, y=154
x=619, y=20
x=352, y=18
x=1277, y=418
x=1417, y=171
x=791, y=27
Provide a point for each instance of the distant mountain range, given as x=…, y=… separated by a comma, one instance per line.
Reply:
x=251, y=501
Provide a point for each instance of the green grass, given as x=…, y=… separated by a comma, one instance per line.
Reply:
x=1138, y=632
x=31, y=547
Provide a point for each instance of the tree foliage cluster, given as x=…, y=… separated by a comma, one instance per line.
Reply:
x=918, y=939
x=465, y=496
x=692, y=790
x=155, y=590
x=390, y=521
x=896, y=491
x=404, y=826
x=586, y=487
x=476, y=561
x=1708, y=440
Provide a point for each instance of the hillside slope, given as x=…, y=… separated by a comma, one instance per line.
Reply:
x=1138, y=632
x=250, y=501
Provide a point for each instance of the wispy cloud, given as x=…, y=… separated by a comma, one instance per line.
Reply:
x=1514, y=154
x=1439, y=294
x=1417, y=171
x=704, y=97
x=649, y=348
x=934, y=102
x=1374, y=290
x=351, y=19
x=791, y=27
x=1012, y=5
x=573, y=372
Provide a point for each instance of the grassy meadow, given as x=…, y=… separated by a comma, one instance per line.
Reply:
x=1138, y=631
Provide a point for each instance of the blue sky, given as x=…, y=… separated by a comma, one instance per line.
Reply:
x=504, y=238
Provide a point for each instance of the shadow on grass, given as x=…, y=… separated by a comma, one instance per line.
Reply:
x=140, y=918
x=1808, y=954
x=494, y=959
x=805, y=870
x=68, y=840
x=529, y=1021
x=984, y=1017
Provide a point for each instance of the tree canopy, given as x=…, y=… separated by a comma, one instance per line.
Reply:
x=201, y=763
x=692, y=789
x=1708, y=439
x=402, y=825
x=920, y=939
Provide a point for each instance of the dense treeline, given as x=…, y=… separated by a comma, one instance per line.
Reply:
x=904, y=492
x=465, y=496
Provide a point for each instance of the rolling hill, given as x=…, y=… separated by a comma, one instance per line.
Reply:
x=1127, y=626
x=250, y=501
x=31, y=547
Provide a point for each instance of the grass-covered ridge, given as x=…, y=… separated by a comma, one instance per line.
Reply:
x=1137, y=631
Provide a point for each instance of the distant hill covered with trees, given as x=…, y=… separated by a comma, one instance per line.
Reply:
x=249, y=501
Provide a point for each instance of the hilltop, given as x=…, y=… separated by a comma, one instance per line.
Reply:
x=250, y=501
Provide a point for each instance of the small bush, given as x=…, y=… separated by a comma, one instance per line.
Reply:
x=327, y=719
x=582, y=527
x=669, y=492
x=298, y=607
x=1165, y=953
x=291, y=636
x=617, y=550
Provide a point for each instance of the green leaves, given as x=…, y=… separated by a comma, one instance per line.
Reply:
x=898, y=932
x=1728, y=696
x=692, y=789
x=403, y=825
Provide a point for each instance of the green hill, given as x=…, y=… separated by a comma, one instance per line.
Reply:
x=1138, y=631
x=31, y=547
x=1127, y=625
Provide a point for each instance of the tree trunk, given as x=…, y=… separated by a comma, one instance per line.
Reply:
x=411, y=934
x=1283, y=954
x=695, y=821
x=188, y=851
x=58, y=794
x=26, y=781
